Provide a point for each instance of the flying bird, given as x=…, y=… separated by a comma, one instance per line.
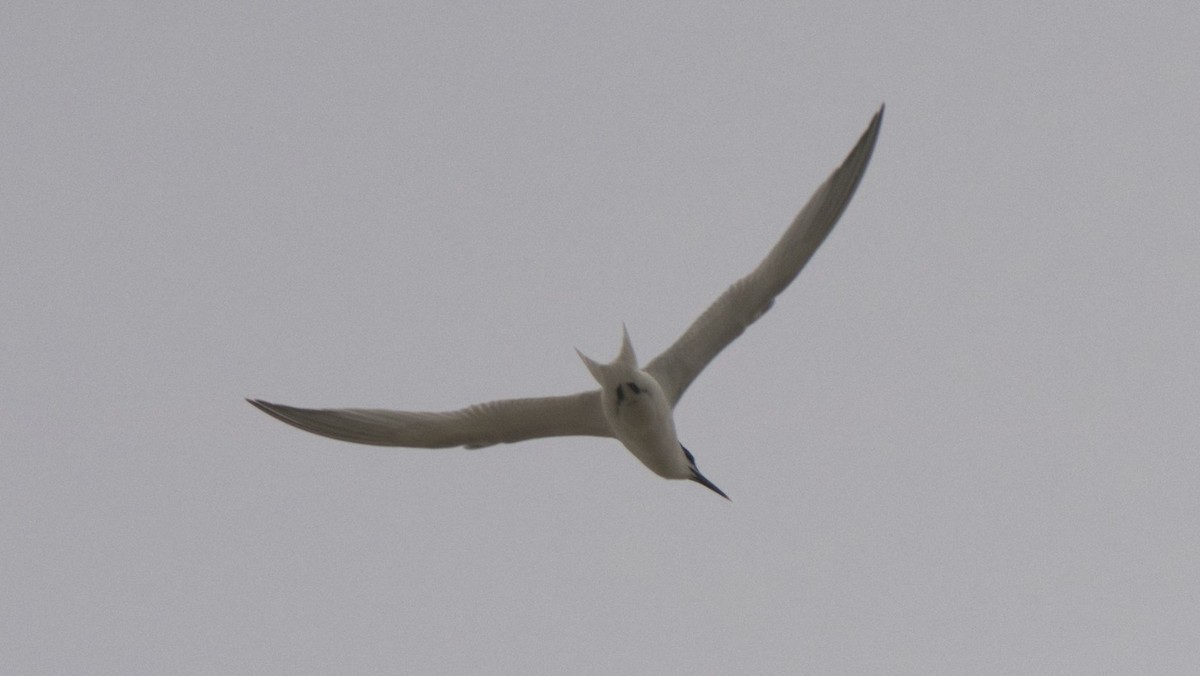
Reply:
x=633, y=404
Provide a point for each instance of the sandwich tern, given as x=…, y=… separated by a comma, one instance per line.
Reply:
x=634, y=405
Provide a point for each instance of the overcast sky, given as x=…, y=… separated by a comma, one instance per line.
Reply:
x=963, y=442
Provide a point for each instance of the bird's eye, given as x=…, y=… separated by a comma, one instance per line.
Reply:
x=635, y=388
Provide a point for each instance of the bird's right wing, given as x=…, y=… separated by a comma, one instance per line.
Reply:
x=752, y=295
x=494, y=422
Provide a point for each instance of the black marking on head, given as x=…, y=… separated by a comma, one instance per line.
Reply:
x=635, y=388
x=620, y=393
x=690, y=457
x=698, y=477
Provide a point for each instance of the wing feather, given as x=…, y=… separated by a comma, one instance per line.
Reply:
x=748, y=298
x=494, y=422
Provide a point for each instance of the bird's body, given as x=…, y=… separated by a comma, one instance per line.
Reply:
x=634, y=405
x=639, y=414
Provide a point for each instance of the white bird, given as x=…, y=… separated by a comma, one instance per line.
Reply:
x=633, y=404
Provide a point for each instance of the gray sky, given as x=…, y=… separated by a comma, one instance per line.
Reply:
x=965, y=441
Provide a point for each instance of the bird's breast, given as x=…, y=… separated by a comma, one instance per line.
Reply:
x=646, y=426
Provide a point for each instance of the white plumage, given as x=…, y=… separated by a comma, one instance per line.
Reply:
x=633, y=405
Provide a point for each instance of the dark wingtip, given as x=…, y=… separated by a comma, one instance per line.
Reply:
x=266, y=407
x=872, y=130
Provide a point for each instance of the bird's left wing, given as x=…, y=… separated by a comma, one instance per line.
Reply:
x=752, y=295
x=494, y=422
